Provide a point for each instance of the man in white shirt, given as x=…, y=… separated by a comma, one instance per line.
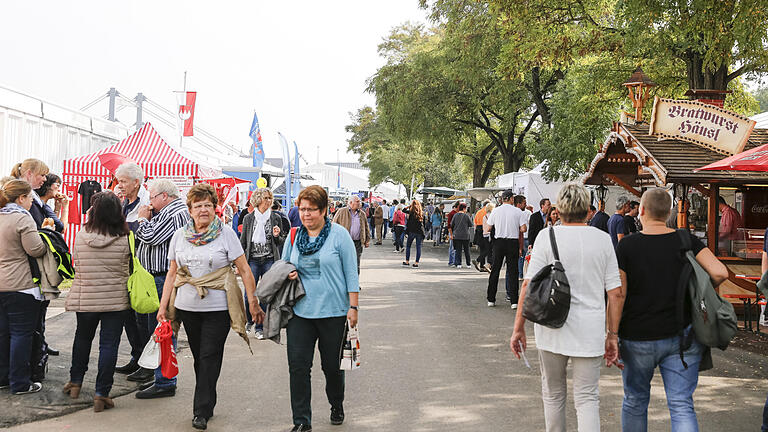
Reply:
x=385, y=208
x=528, y=212
x=510, y=224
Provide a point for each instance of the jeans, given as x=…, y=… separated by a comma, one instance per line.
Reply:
x=109, y=342
x=386, y=224
x=399, y=233
x=640, y=361
x=428, y=228
x=462, y=245
x=207, y=333
x=765, y=417
x=302, y=334
x=411, y=237
x=258, y=269
x=19, y=316
x=150, y=321
x=509, y=250
x=586, y=392
x=436, y=234
x=451, y=253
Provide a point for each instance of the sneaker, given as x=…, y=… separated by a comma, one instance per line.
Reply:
x=200, y=423
x=302, y=428
x=458, y=266
x=337, y=416
x=405, y=264
x=259, y=335
x=477, y=265
x=415, y=265
x=488, y=268
x=491, y=304
x=248, y=328
x=33, y=388
x=508, y=299
x=514, y=305
x=4, y=386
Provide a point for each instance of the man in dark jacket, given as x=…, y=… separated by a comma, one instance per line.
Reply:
x=537, y=220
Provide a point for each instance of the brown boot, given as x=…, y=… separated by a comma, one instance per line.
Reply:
x=72, y=389
x=100, y=403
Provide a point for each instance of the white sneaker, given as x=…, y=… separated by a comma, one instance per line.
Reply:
x=259, y=335
x=491, y=304
x=33, y=388
x=248, y=327
x=514, y=305
x=458, y=266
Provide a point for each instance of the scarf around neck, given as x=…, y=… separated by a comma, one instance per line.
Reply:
x=12, y=207
x=200, y=239
x=302, y=239
x=259, y=226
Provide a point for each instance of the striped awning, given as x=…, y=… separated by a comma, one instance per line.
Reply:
x=145, y=147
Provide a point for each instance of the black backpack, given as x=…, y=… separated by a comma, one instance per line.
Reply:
x=548, y=299
x=58, y=246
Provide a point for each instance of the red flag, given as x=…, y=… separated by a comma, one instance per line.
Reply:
x=186, y=113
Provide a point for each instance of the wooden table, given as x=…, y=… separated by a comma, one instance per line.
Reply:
x=747, y=299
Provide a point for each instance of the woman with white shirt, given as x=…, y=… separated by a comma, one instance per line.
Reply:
x=589, y=260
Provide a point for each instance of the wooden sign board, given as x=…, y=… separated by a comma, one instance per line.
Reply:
x=706, y=125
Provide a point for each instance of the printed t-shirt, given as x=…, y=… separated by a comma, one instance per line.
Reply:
x=652, y=264
x=202, y=260
x=87, y=190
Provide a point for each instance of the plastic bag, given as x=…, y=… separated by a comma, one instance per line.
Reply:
x=150, y=357
x=350, y=349
x=169, y=366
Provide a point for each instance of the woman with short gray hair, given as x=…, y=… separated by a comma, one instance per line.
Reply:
x=590, y=265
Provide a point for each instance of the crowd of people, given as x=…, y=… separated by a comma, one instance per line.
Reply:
x=621, y=314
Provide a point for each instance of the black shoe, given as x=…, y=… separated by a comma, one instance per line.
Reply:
x=146, y=385
x=200, y=423
x=141, y=375
x=302, y=428
x=337, y=416
x=51, y=351
x=154, y=392
x=129, y=368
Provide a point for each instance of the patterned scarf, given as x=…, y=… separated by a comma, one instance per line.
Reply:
x=302, y=239
x=13, y=208
x=199, y=239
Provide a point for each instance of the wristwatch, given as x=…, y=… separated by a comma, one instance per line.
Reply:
x=354, y=307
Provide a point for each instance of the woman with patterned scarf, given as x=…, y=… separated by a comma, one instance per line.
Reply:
x=19, y=296
x=201, y=292
x=326, y=263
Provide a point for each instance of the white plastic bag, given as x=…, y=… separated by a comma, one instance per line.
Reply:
x=350, y=349
x=150, y=357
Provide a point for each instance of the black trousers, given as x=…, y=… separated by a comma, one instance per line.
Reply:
x=302, y=334
x=460, y=245
x=359, y=251
x=508, y=249
x=207, y=334
x=485, y=251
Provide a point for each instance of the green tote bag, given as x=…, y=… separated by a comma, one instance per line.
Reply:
x=141, y=284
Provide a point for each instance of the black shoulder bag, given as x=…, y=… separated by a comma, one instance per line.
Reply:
x=548, y=297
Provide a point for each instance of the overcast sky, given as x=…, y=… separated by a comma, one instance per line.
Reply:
x=301, y=65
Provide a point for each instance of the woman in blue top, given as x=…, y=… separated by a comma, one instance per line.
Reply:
x=326, y=263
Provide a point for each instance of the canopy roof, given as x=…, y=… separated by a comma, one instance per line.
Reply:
x=632, y=158
x=146, y=148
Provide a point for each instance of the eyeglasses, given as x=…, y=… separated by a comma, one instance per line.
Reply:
x=308, y=209
x=153, y=197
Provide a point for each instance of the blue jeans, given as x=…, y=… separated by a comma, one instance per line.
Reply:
x=640, y=361
x=19, y=316
x=765, y=417
x=521, y=261
x=258, y=269
x=411, y=237
x=451, y=253
x=109, y=341
x=384, y=228
x=148, y=323
x=436, y=234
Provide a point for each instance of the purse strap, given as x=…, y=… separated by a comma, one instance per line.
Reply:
x=553, y=242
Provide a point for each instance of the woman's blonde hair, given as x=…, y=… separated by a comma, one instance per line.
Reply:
x=416, y=209
x=35, y=165
x=259, y=195
x=489, y=207
x=572, y=203
x=12, y=190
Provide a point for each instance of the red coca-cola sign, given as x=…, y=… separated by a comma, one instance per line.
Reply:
x=755, y=208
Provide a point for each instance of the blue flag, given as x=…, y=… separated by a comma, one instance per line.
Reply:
x=257, y=150
x=287, y=203
x=296, y=174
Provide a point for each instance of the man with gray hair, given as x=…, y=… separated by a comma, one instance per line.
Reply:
x=157, y=222
x=130, y=178
x=353, y=219
x=616, y=222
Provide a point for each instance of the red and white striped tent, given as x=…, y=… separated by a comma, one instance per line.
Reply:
x=146, y=148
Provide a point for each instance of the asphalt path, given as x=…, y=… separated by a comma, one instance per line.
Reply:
x=435, y=358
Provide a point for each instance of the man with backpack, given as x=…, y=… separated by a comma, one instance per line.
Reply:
x=655, y=327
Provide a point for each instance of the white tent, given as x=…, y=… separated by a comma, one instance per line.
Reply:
x=350, y=179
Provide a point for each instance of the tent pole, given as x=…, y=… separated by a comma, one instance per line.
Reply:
x=181, y=136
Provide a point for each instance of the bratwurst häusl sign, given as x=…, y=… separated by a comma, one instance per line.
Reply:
x=706, y=125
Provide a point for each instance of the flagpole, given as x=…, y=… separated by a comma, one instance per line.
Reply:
x=181, y=136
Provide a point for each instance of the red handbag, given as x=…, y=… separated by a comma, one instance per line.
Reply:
x=169, y=367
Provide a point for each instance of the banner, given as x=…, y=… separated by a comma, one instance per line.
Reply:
x=186, y=112
x=296, y=185
x=257, y=149
x=706, y=125
x=286, y=171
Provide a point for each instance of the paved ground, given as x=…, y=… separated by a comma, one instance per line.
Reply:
x=435, y=358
